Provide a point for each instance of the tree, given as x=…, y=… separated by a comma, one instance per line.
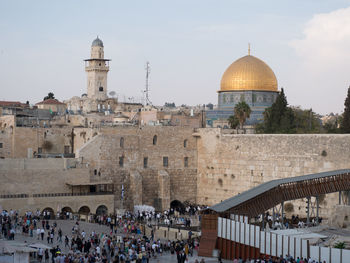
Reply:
x=306, y=121
x=170, y=104
x=210, y=106
x=49, y=96
x=345, y=124
x=233, y=121
x=340, y=245
x=279, y=118
x=242, y=112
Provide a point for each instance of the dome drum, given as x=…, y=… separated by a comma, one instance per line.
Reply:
x=252, y=98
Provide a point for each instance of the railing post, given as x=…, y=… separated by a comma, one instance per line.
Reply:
x=263, y=221
x=282, y=209
x=317, y=208
x=308, y=210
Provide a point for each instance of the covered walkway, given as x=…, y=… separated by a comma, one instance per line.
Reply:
x=257, y=200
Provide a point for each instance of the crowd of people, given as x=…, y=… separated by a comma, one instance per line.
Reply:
x=275, y=221
x=125, y=241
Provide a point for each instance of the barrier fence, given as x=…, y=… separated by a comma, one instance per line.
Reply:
x=237, y=238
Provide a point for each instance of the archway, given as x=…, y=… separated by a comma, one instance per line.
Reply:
x=84, y=212
x=102, y=210
x=65, y=212
x=177, y=206
x=48, y=213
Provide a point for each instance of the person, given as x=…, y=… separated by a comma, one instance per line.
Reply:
x=59, y=236
x=66, y=241
x=38, y=233
x=219, y=257
x=40, y=254
x=42, y=232
x=47, y=256
x=51, y=237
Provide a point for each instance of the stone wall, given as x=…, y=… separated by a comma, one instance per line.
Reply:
x=219, y=165
x=17, y=140
x=39, y=176
x=104, y=153
x=57, y=203
x=230, y=164
x=46, y=183
x=6, y=142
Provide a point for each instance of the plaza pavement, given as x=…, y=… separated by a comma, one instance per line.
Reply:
x=67, y=225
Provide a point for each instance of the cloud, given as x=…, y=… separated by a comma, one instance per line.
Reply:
x=324, y=58
x=326, y=40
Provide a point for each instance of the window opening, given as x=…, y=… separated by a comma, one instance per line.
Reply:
x=155, y=140
x=165, y=161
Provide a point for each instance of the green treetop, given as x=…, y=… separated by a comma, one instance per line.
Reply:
x=242, y=112
x=345, y=123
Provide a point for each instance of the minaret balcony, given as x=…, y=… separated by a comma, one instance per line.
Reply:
x=96, y=68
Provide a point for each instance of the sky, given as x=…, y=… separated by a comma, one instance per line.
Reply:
x=189, y=44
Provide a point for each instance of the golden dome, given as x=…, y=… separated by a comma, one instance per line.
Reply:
x=248, y=73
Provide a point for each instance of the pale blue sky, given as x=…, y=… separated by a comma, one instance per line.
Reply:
x=189, y=45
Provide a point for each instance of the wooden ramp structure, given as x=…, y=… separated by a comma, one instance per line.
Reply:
x=257, y=200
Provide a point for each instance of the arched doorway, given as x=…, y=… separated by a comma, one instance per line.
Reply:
x=84, y=212
x=177, y=206
x=65, y=212
x=48, y=213
x=101, y=210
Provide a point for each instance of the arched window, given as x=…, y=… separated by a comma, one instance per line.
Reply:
x=122, y=142
x=155, y=140
x=100, y=88
x=121, y=161
x=185, y=143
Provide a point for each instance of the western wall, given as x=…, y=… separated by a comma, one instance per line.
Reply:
x=229, y=164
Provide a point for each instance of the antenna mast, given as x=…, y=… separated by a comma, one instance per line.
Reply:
x=148, y=72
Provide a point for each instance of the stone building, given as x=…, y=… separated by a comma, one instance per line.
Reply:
x=248, y=79
x=96, y=98
x=53, y=106
x=97, y=68
x=51, y=184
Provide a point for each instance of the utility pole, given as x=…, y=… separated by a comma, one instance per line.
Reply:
x=146, y=91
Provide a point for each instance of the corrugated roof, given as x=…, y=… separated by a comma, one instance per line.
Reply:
x=253, y=192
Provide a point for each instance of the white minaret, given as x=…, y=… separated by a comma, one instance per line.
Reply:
x=97, y=68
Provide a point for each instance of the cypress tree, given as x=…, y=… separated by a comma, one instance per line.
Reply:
x=345, y=124
x=279, y=118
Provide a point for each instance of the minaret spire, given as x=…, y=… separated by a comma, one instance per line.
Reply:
x=248, y=49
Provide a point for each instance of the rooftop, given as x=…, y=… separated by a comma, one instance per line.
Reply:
x=49, y=102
